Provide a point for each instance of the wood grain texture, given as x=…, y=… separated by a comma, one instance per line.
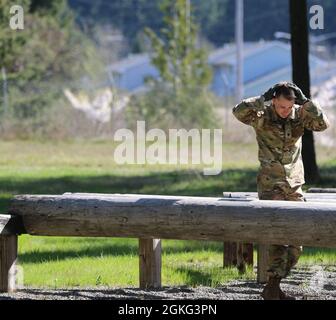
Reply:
x=263, y=262
x=150, y=263
x=8, y=257
x=176, y=217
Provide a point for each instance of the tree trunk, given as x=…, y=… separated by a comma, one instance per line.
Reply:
x=300, y=62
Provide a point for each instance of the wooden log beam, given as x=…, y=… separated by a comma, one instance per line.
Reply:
x=169, y=217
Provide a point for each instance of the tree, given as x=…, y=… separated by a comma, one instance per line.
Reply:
x=12, y=42
x=175, y=54
x=39, y=59
x=184, y=71
x=300, y=53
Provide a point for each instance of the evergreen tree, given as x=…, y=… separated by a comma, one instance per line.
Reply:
x=175, y=53
x=181, y=96
x=12, y=42
x=42, y=57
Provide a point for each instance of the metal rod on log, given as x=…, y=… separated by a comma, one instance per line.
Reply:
x=322, y=190
x=308, y=196
x=169, y=217
x=226, y=195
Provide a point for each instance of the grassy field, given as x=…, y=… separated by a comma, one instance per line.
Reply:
x=88, y=166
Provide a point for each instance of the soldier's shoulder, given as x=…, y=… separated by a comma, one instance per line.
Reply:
x=268, y=109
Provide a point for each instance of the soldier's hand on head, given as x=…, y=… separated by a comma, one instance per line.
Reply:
x=270, y=93
x=300, y=97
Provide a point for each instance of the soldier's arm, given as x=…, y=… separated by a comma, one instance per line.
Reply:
x=313, y=117
x=247, y=111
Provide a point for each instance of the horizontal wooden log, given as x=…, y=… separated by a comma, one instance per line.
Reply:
x=175, y=217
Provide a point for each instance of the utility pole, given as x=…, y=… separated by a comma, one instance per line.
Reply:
x=239, y=34
x=188, y=17
x=188, y=30
x=175, y=26
x=301, y=77
x=238, y=253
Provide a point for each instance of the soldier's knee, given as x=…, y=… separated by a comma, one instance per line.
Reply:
x=276, y=251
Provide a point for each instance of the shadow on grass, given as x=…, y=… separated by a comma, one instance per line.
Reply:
x=59, y=254
x=115, y=250
x=100, y=252
x=192, y=183
x=184, y=182
x=205, y=278
x=196, y=277
x=112, y=250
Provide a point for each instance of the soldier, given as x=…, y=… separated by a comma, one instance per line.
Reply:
x=279, y=118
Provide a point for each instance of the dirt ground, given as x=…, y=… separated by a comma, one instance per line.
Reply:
x=310, y=283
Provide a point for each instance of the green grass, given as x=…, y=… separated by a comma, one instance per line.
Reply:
x=61, y=262
x=88, y=166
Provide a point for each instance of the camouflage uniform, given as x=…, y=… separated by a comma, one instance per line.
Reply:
x=281, y=172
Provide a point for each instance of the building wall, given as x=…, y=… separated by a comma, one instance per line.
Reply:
x=135, y=76
x=262, y=68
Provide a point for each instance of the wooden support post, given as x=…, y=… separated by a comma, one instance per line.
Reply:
x=238, y=254
x=8, y=256
x=230, y=254
x=263, y=261
x=150, y=263
x=248, y=253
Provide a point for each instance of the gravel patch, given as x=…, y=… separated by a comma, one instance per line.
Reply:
x=309, y=283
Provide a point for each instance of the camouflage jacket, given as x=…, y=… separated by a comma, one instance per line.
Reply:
x=279, y=140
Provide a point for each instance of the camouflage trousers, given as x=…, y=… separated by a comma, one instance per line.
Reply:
x=282, y=258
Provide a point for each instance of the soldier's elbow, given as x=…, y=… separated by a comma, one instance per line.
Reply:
x=235, y=108
x=326, y=124
x=322, y=127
